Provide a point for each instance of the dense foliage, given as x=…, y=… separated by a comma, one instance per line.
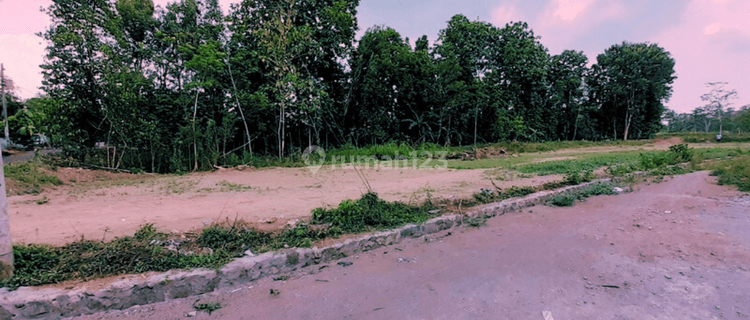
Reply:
x=186, y=88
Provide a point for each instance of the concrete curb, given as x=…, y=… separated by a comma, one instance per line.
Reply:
x=34, y=303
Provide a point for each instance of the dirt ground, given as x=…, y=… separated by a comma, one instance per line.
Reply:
x=101, y=205
x=679, y=249
x=270, y=198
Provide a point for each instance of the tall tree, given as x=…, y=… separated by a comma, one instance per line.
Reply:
x=73, y=69
x=567, y=74
x=718, y=99
x=521, y=84
x=631, y=81
x=465, y=55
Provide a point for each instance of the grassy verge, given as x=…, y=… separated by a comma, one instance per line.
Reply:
x=370, y=212
x=150, y=250
x=403, y=151
x=701, y=137
x=734, y=172
x=29, y=178
x=147, y=250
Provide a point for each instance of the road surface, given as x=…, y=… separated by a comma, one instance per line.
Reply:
x=679, y=249
x=23, y=156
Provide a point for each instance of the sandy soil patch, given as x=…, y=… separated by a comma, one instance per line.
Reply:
x=269, y=198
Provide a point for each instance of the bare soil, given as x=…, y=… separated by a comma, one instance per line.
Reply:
x=679, y=249
x=101, y=205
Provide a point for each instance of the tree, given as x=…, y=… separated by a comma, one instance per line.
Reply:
x=319, y=86
x=281, y=40
x=718, y=99
x=73, y=69
x=465, y=55
x=520, y=81
x=743, y=118
x=567, y=74
x=386, y=90
x=631, y=81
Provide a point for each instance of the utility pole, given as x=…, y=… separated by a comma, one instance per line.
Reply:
x=6, y=243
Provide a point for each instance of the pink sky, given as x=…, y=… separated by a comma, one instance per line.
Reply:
x=709, y=39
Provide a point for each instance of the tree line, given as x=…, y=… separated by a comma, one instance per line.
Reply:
x=717, y=115
x=186, y=87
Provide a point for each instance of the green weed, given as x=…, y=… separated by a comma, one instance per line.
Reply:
x=30, y=177
x=370, y=212
x=207, y=307
x=568, y=199
x=734, y=172
x=233, y=187
x=489, y=196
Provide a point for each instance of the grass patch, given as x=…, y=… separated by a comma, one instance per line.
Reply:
x=568, y=199
x=702, y=137
x=734, y=172
x=370, y=212
x=530, y=147
x=145, y=251
x=150, y=250
x=489, y=196
x=29, y=177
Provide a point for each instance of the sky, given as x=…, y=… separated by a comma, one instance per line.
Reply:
x=709, y=39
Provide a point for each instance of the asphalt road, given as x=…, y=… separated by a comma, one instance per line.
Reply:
x=679, y=249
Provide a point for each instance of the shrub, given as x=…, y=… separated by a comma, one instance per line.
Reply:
x=682, y=152
x=575, y=177
x=370, y=212
x=564, y=200
x=568, y=199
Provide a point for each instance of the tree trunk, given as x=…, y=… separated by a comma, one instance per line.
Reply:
x=476, y=118
x=280, y=131
x=575, y=128
x=242, y=114
x=628, y=119
x=195, y=138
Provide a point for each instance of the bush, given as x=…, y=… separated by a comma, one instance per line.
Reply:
x=682, y=152
x=568, y=199
x=370, y=212
x=575, y=177
x=564, y=200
